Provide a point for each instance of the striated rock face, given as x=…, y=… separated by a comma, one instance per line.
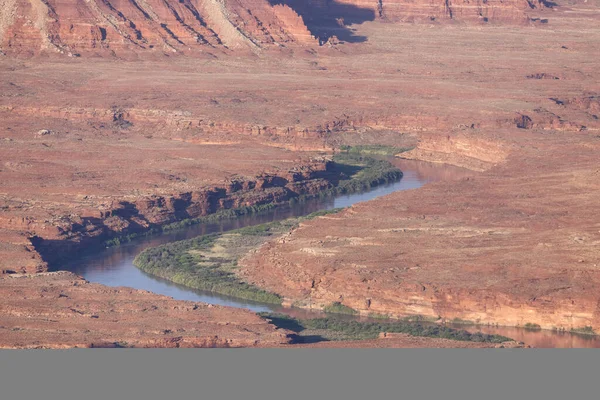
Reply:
x=17, y=254
x=130, y=27
x=104, y=26
x=70, y=233
x=512, y=11
x=320, y=12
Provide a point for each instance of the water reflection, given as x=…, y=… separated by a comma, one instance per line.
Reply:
x=114, y=266
x=538, y=339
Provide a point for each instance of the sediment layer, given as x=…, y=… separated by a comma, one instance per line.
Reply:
x=514, y=245
x=57, y=235
x=130, y=27
x=201, y=28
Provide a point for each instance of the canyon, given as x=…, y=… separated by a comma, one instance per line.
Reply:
x=117, y=117
x=203, y=28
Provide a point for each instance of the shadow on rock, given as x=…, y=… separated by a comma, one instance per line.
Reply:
x=326, y=19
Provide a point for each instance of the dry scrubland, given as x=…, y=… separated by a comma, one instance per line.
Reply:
x=108, y=131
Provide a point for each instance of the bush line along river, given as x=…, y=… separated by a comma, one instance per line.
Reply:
x=114, y=266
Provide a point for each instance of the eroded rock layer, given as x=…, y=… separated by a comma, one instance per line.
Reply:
x=513, y=246
x=318, y=12
x=131, y=26
x=61, y=310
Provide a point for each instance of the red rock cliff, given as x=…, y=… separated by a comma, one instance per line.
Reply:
x=103, y=26
x=196, y=26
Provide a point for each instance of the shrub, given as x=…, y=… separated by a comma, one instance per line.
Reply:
x=353, y=329
x=175, y=262
x=586, y=330
x=339, y=308
x=381, y=150
x=532, y=327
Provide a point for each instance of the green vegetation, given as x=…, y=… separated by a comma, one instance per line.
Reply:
x=206, y=263
x=460, y=321
x=358, y=174
x=339, y=308
x=362, y=173
x=532, y=327
x=376, y=149
x=212, y=218
x=340, y=329
x=209, y=262
x=378, y=316
x=586, y=330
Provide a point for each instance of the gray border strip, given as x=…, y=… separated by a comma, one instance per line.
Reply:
x=300, y=374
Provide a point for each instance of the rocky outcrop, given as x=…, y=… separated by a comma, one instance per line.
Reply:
x=17, y=253
x=460, y=149
x=61, y=310
x=129, y=27
x=72, y=233
x=357, y=11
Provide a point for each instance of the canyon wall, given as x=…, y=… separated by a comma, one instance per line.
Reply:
x=103, y=26
x=129, y=27
x=357, y=11
x=60, y=237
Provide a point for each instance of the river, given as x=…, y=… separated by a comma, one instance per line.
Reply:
x=114, y=266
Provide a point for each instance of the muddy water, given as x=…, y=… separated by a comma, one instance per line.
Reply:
x=114, y=266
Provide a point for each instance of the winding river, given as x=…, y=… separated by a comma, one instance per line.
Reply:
x=114, y=266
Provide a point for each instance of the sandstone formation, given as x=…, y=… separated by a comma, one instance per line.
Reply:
x=515, y=245
x=128, y=145
x=128, y=28
x=319, y=14
x=85, y=214
x=61, y=310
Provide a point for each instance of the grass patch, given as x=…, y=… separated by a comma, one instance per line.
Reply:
x=586, y=330
x=532, y=327
x=460, y=321
x=337, y=329
x=378, y=316
x=339, y=308
x=356, y=174
x=205, y=263
x=362, y=173
x=209, y=262
x=376, y=150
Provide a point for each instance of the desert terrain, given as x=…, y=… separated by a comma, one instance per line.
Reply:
x=119, y=117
